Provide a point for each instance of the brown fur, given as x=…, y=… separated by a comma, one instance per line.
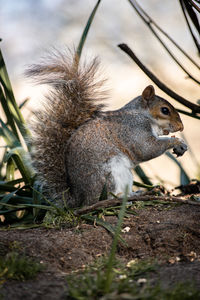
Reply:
x=81, y=149
x=75, y=98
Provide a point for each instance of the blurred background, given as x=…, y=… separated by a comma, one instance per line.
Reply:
x=29, y=28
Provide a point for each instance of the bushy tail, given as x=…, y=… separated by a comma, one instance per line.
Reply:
x=75, y=97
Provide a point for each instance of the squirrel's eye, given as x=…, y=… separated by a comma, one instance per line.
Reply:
x=165, y=110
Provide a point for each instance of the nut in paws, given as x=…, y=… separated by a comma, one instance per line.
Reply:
x=180, y=149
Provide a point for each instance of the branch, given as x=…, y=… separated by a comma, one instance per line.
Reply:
x=194, y=5
x=194, y=107
x=114, y=202
x=185, y=6
x=148, y=21
x=189, y=114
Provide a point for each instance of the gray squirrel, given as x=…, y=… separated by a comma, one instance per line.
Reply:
x=79, y=148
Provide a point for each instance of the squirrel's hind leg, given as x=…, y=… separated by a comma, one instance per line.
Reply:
x=115, y=175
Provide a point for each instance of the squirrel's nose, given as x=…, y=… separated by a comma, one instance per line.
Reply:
x=178, y=126
x=181, y=127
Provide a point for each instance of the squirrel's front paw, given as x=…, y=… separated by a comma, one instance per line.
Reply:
x=180, y=149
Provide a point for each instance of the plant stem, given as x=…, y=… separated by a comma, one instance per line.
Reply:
x=109, y=271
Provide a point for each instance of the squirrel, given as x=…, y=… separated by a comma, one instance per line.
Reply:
x=79, y=148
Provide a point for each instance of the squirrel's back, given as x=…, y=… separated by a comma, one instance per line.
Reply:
x=76, y=97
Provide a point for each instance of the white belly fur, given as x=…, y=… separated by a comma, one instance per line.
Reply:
x=120, y=167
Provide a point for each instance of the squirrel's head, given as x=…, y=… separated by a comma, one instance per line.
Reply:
x=162, y=112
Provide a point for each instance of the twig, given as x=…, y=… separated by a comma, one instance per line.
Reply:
x=114, y=202
x=188, y=114
x=150, y=21
x=183, y=6
x=194, y=5
x=194, y=107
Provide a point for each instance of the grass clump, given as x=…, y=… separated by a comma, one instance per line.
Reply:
x=63, y=218
x=94, y=280
x=18, y=267
x=131, y=281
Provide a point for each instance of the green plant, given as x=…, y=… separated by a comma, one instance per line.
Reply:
x=131, y=281
x=18, y=267
x=15, y=188
x=111, y=258
x=101, y=282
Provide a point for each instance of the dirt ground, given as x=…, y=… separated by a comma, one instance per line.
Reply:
x=171, y=234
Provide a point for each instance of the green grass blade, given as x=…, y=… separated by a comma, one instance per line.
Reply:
x=8, y=114
x=23, y=198
x=4, y=151
x=17, y=116
x=10, y=170
x=6, y=198
x=11, y=182
x=7, y=212
x=184, y=178
x=109, y=272
x=5, y=81
x=53, y=206
x=13, y=200
x=24, y=103
x=104, y=193
x=86, y=29
x=139, y=171
x=143, y=185
x=5, y=187
x=19, y=157
x=5, y=137
x=9, y=136
x=21, y=206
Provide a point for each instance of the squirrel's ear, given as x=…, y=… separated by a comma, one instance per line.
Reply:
x=148, y=93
